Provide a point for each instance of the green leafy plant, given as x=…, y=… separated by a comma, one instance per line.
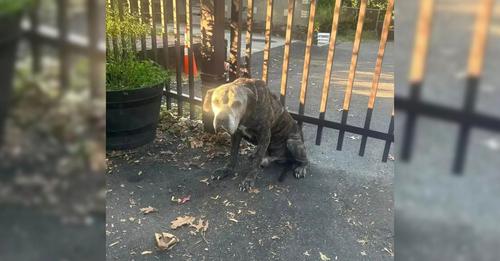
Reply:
x=13, y=7
x=134, y=74
x=125, y=27
x=124, y=70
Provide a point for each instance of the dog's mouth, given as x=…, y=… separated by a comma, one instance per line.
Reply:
x=221, y=129
x=225, y=123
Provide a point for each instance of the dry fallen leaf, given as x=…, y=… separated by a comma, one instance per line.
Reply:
x=363, y=253
x=254, y=190
x=275, y=237
x=165, y=241
x=148, y=252
x=362, y=241
x=196, y=144
x=181, y=221
x=185, y=199
x=389, y=251
x=205, y=180
x=234, y=220
x=323, y=257
x=201, y=226
x=307, y=253
x=251, y=212
x=181, y=200
x=148, y=210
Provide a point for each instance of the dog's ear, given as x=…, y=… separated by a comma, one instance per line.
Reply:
x=207, y=102
x=251, y=92
x=260, y=83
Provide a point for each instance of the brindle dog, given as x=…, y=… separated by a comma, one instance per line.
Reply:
x=247, y=109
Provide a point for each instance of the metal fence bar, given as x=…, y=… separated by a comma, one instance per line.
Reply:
x=349, y=128
x=95, y=64
x=142, y=15
x=307, y=59
x=352, y=70
x=475, y=67
x=248, y=39
x=417, y=72
x=175, y=13
x=48, y=35
x=376, y=74
x=286, y=52
x=235, y=49
x=164, y=23
x=328, y=70
x=267, y=46
x=189, y=42
x=35, y=48
x=120, y=14
x=387, y=146
x=62, y=24
x=151, y=20
x=437, y=111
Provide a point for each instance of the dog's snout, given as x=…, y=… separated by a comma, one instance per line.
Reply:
x=222, y=122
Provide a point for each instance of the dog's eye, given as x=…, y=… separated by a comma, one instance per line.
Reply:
x=236, y=104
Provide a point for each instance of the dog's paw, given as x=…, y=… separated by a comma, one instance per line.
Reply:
x=300, y=172
x=222, y=173
x=247, y=184
x=266, y=161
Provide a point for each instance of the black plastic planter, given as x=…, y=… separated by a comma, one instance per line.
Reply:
x=132, y=117
x=10, y=33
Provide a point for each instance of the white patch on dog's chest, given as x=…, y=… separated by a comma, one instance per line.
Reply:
x=245, y=131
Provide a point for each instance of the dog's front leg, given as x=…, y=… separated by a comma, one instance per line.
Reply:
x=262, y=144
x=230, y=166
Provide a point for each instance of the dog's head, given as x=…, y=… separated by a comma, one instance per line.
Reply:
x=229, y=103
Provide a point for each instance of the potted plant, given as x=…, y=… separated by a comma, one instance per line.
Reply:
x=11, y=12
x=134, y=87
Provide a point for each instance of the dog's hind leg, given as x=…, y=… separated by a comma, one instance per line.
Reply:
x=297, y=149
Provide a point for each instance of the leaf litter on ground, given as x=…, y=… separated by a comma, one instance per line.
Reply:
x=181, y=200
x=324, y=257
x=165, y=241
x=181, y=221
x=148, y=210
x=200, y=226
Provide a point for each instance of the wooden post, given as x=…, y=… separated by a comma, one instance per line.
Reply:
x=213, y=50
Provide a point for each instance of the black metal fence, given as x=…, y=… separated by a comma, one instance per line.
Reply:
x=237, y=67
x=68, y=42
x=466, y=117
x=300, y=116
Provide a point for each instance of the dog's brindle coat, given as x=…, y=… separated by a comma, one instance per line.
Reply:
x=246, y=108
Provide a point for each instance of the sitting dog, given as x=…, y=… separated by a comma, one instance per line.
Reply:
x=247, y=109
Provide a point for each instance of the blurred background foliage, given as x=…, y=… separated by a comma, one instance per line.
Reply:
x=349, y=16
